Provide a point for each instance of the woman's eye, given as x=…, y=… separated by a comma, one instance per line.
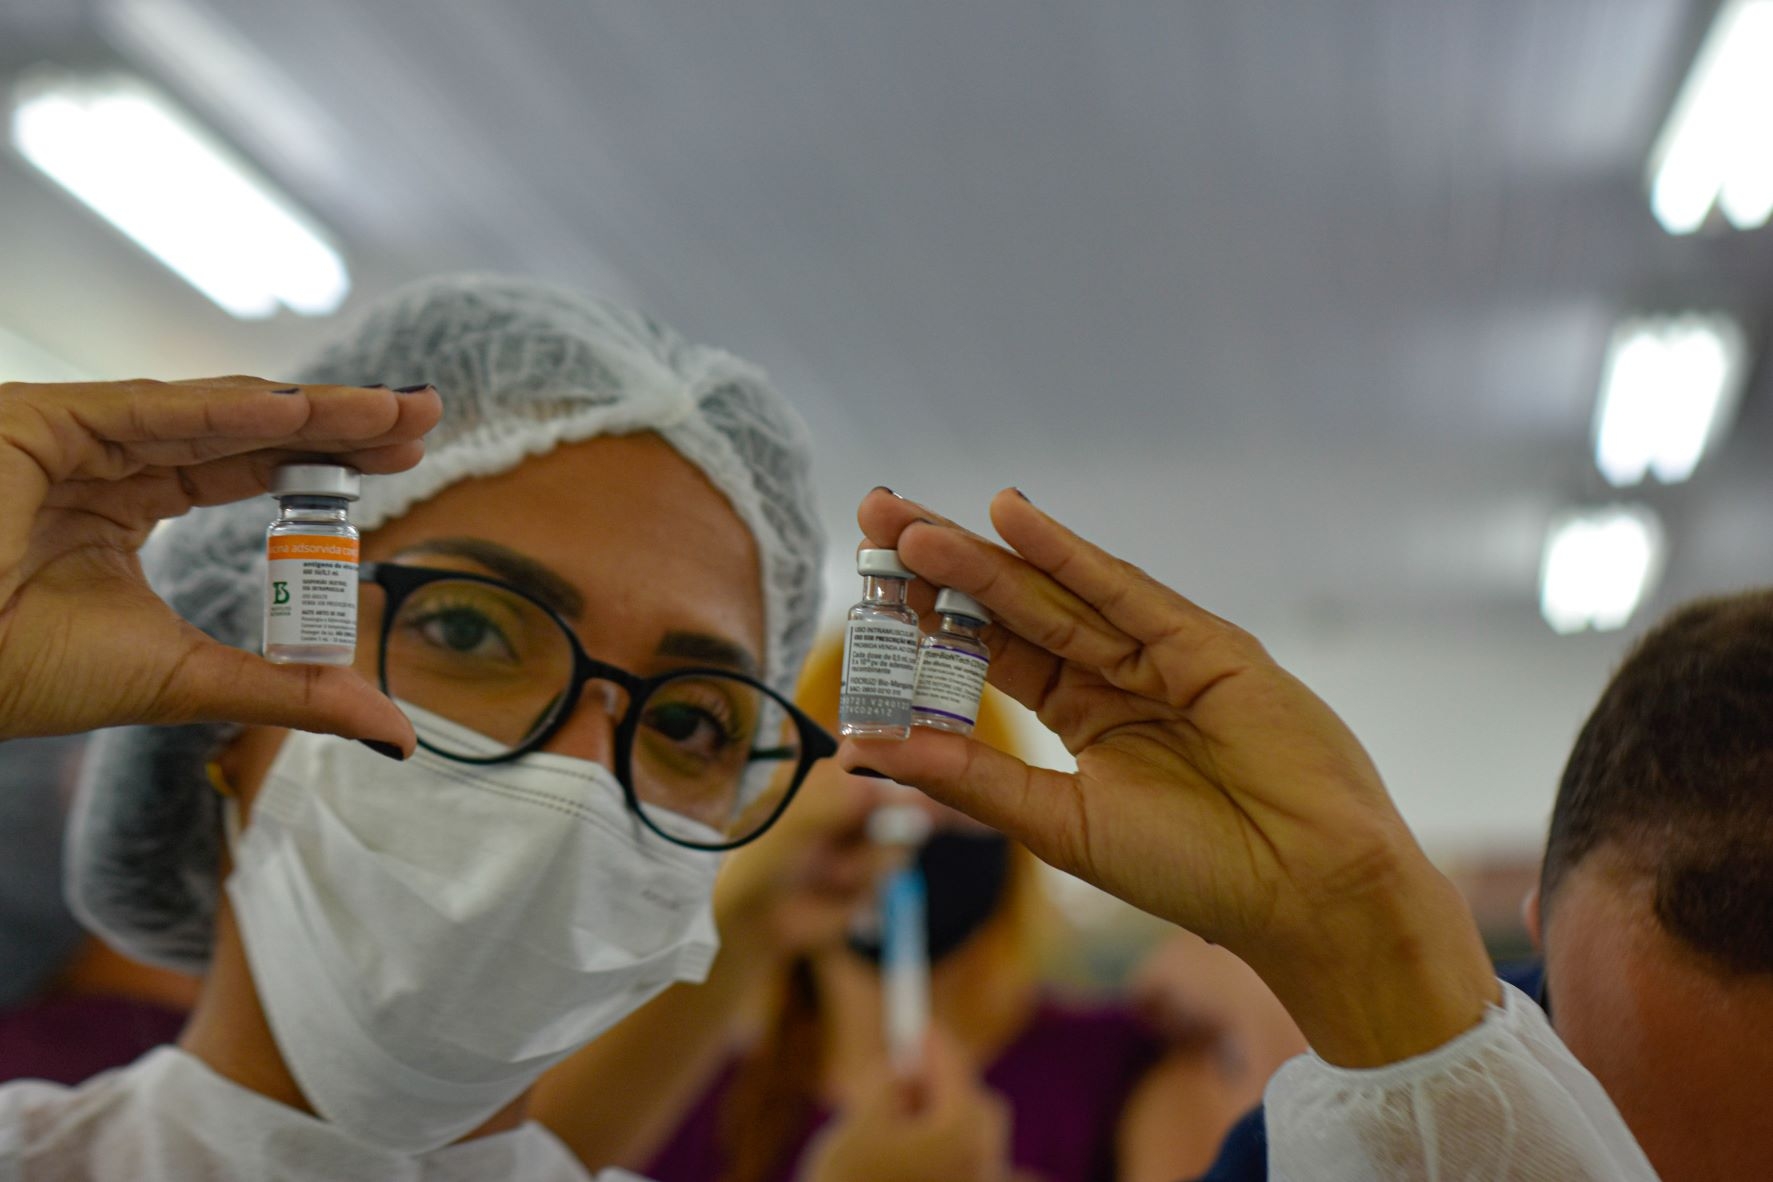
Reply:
x=690, y=727
x=466, y=633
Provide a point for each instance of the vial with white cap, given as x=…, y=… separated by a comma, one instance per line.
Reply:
x=879, y=652
x=311, y=553
x=951, y=666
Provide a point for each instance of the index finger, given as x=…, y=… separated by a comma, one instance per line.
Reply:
x=107, y=430
x=1059, y=597
x=1174, y=650
x=1025, y=601
x=1124, y=595
x=883, y=515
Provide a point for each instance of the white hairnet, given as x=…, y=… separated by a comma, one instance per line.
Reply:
x=523, y=367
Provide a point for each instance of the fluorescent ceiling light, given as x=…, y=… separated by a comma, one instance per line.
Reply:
x=1668, y=392
x=1717, y=147
x=264, y=108
x=156, y=174
x=1598, y=566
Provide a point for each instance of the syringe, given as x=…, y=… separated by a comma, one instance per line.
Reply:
x=904, y=948
x=905, y=970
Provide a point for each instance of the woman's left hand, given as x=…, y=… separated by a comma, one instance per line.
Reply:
x=1212, y=788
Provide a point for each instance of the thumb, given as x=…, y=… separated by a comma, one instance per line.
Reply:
x=1029, y=804
x=219, y=683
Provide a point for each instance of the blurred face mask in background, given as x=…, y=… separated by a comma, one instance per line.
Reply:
x=965, y=872
x=429, y=937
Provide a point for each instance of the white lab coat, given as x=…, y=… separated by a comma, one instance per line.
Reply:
x=169, y=1118
x=1504, y=1102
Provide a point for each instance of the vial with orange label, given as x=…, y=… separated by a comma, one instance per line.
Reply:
x=311, y=553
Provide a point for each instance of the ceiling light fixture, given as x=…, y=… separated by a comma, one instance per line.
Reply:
x=154, y=172
x=1597, y=566
x=1716, y=150
x=1669, y=389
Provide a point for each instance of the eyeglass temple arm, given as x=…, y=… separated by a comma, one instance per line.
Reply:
x=819, y=745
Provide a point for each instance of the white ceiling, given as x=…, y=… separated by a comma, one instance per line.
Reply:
x=1301, y=306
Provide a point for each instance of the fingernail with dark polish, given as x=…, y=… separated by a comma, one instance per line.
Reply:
x=883, y=488
x=288, y=390
x=376, y=386
x=1021, y=494
x=412, y=389
x=870, y=773
x=381, y=748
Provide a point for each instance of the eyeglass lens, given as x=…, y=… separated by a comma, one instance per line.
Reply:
x=709, y=757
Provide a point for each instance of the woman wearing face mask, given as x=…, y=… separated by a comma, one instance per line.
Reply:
x=1091, y=1092
x=581, y=600
x=1212, y=790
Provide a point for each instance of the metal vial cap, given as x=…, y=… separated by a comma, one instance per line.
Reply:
x=316, y=480
x=958, y=603
x=881, y=563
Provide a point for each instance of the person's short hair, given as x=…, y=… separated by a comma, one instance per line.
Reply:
x=1673, y=772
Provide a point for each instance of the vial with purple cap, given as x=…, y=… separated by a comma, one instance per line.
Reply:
x=951, y=666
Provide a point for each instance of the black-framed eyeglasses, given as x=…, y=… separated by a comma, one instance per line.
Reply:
x=707, y=758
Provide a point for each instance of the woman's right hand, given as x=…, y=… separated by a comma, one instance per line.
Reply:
x=87, y=469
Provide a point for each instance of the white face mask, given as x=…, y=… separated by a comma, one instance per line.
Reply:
x=428, y=937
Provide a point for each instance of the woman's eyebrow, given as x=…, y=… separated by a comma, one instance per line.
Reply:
x=707, y=649
x=520, y=570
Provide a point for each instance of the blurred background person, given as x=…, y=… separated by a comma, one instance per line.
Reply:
x=1197, y=995
x=734, y=1080
x=70, y=1007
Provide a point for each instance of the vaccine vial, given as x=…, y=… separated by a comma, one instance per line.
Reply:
x=879, y=652
x=311, y=556
x=951, y=666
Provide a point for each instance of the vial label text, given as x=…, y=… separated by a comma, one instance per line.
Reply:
x=879, y=672
x=313, y=591
x=949, y=682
